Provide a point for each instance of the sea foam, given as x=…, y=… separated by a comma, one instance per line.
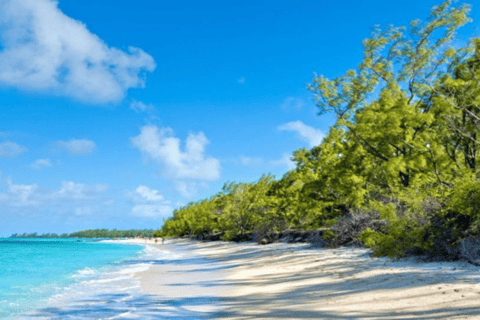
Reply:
x=112, y=294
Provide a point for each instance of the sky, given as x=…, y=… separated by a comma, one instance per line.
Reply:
x=114, y=113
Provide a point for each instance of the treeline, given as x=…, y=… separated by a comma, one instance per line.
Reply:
x=93, y=233
x=104, y=233
x=399, y=170
x=36, y=235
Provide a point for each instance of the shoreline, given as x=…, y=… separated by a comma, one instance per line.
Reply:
x=189, y=279
x=227, y=280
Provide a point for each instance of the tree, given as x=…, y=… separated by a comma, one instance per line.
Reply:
x=405, y=67
x=457, y=105
x=245, y=206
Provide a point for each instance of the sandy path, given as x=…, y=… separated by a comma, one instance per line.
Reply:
x=290, y=281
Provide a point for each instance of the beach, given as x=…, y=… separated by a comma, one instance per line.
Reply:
x=186, y=279
x=220, y=280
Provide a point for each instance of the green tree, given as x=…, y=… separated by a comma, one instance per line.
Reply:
x=246, y=206
x=404, y=66
x=456, y=104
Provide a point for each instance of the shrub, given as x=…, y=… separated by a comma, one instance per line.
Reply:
x=455, y=225
x=396, y=236
x=368, y=237
x=466, y=198
x=349, y=228
x=400, y=239
x=268, y=230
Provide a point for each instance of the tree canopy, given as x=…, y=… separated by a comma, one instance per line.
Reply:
x=403, y=150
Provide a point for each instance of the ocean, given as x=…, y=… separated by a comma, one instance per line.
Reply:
x=41, y=278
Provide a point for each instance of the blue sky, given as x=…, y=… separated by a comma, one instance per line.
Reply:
x=113, y=113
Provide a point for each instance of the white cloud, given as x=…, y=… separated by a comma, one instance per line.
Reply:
x=313, y=136
x=20, y=195
x=148, y=109
x=185, y=189
x=188, y=189
x=70, y=190
x=32, y=203
x=45, y=50
x=10, y=149
x=249, y=161
x=41, y=163
x=292, y=103
x=284, y=161
x=161, y=146
x=151, y=211
x=76, y=146
x=149, y=203
x=145, y=194
x=139, y=106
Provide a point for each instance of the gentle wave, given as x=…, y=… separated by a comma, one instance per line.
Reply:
x=113, y=294
x=34, y=271
x=84, y=273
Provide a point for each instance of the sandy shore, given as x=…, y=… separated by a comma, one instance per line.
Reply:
x=292, y=281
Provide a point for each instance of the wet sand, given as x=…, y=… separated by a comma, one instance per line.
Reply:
x=219, y=280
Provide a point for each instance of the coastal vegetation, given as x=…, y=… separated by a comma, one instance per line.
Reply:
x=92, y=233
x=398, y=171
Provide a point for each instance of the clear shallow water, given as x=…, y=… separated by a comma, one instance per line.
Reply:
x=65, y=279
x=36, y=273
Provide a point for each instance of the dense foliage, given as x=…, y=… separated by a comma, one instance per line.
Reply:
x=398, y=171
x=94, y=233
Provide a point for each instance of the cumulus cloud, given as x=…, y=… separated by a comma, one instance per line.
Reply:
x=149, y=203
x=286, y=161
x=31, y=195
x=10, y=149
x=20, y=195
x=160, y=145
x=313, y=136
x=76, y=146
x=145, y=194
x=45, y=50
x=151, y=211
x=41, y=163
x=79, y=191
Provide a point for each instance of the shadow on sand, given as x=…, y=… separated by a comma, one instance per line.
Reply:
x=280, y=305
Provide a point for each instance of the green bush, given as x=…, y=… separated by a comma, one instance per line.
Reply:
x=464, y=206
x=369, y=237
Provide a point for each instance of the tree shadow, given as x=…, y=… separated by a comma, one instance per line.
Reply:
x=330, y=280
x=126, y=306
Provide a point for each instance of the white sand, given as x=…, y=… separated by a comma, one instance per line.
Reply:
x=291, y=281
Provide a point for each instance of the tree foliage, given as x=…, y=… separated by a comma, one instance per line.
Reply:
x=403, y=152
x=92, y=233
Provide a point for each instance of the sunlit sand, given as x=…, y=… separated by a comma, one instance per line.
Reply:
x=293, y=281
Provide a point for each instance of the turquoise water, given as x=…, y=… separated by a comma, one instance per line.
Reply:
x=34, y=270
